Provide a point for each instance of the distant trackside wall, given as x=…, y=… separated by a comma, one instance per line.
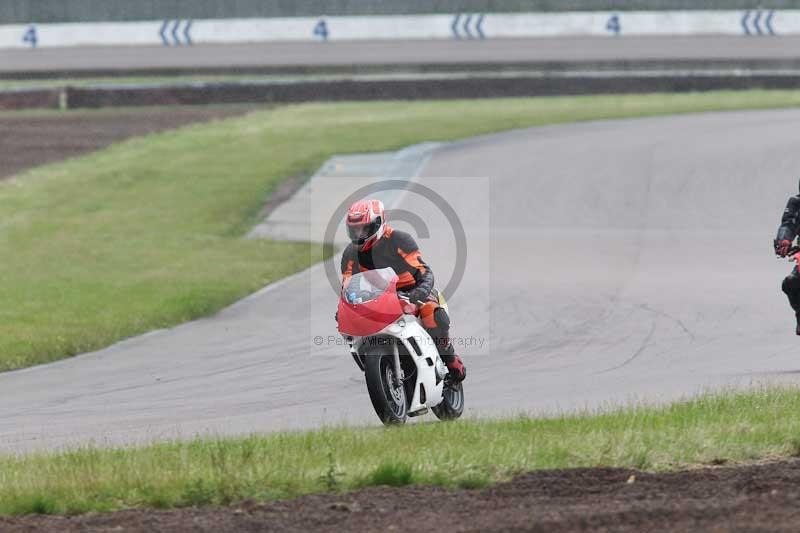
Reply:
x=40, y=11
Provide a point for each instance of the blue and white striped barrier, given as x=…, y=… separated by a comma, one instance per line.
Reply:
x=176, y=32
x=758, y=22
x=460, y=26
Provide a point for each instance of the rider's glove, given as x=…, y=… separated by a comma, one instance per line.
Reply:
x=782, y=247
x=417, y=295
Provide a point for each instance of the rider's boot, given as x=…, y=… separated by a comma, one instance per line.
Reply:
x=454, y=363
x=797, y=329
x=458, y=371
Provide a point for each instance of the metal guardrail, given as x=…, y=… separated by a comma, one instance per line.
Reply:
x=42, y=11
x=486, y=85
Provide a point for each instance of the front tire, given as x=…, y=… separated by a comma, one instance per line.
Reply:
x=452, y=405
x=389, y=401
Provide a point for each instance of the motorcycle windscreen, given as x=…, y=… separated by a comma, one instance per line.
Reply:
x=368, y=302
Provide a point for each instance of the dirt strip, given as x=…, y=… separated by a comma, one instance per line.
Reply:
x=750, y=498
x=28, y=140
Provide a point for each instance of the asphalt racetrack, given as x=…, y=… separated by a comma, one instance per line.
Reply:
x=365, y=54
x=608, y=262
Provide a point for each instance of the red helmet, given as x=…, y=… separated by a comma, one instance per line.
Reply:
x=365, y=223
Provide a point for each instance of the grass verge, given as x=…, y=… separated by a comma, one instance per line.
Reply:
x=726, y=428
x=147, y=233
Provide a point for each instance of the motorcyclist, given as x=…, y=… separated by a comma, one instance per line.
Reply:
x=374, y=245
x=787, y=233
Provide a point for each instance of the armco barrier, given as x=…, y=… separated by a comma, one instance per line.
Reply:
x=484, y=86
x=534, y=67
x=459, y=26
x=32, y=99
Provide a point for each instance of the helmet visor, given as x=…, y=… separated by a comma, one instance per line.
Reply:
x=360, y=233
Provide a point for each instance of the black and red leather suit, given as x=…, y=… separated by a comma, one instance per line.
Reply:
x=787, y=233
x=398, y=250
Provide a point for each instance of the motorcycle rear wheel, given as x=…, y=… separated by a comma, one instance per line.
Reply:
x=452, y=405
x=389, y=401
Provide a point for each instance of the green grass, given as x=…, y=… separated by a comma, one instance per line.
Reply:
x=148, y=233
x=728, y=428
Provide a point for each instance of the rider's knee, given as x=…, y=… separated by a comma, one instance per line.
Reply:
x=427, y=314
x=442, y=318
x=790, y=284
x=436, y=320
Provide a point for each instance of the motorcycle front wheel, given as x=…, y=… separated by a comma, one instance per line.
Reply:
x=388, y=399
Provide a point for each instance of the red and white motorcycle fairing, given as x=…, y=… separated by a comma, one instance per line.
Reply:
x=377, y=322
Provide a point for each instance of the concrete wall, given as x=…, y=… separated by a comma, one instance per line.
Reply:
x=186, y=32
x=41, y=11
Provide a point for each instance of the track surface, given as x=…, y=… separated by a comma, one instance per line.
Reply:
x=362, y=53
x=628, y=259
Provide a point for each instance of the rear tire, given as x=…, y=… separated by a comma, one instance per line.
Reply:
x=390, y=402
x=452, y=405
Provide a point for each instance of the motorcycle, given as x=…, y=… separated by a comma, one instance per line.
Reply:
x=404, y=373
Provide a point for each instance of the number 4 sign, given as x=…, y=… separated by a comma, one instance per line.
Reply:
x=30, y=37
x=321, y=30
x=613, y=25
